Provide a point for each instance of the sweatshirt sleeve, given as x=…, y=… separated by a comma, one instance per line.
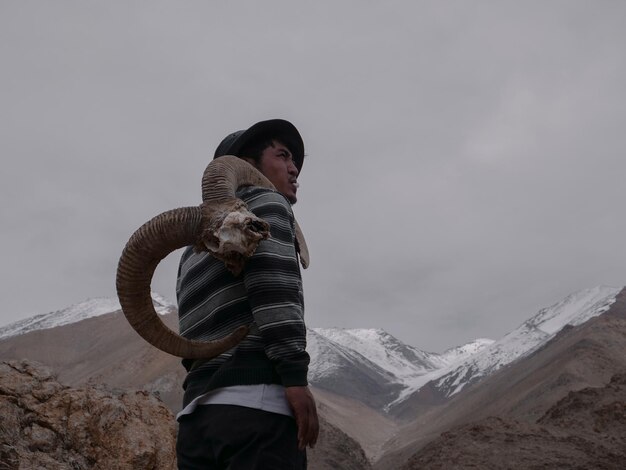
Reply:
x=274, y=286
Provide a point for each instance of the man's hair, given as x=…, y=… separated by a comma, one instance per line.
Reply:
x=255, y=148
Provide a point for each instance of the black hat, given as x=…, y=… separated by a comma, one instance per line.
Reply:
x=233, y=143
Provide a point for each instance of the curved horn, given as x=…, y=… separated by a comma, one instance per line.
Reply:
x=232, y=233
x=152, y=242
x=302, y=248
x=224, y=175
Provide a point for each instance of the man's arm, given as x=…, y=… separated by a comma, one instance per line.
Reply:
x=273, y=282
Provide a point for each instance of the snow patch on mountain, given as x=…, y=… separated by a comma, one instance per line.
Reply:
x=338, y=367
x=75, y=313
x=460, y=353
x=384, y=350
x=574, y=310
x=324, y=354
x=377, y=367
x=401, y=367
x=447, y=361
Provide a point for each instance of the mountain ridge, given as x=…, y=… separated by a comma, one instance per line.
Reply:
x=536, y=331
x=374, y=366
x=585, y=355
x=352, y=392
x=89, y=308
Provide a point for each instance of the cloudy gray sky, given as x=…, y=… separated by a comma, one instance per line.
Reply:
x=465, y=159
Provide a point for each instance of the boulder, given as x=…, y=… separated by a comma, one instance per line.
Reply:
x=48, y=425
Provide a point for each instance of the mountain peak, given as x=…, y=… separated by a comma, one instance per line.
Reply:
x=88, y=308
x=573, y=310
x=459, y=353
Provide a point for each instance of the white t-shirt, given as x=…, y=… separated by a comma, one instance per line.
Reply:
x=267, y=397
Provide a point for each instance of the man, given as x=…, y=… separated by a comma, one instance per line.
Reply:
x=250, y=408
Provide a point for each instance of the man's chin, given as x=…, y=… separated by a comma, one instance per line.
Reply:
x=289, y=193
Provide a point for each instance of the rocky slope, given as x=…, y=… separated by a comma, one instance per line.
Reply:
x=346, y=372
x=89, y=308
x=336, y=450
x=48, y=425
x=357, y=420
x=102, y=352
x=356, y=372
x=586, y=429
x=577, y=357
x=369, y=365
x=375, y=367
x=440, y=384
x=105, y=350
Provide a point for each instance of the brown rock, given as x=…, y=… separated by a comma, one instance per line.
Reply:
x=584, y=430
x=336, y=450
x=580, y=357
x=47, y=425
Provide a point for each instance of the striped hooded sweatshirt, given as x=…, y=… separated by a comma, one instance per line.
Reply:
x=267, y=296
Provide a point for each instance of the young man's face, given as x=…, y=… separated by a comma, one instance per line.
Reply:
x=277, y=164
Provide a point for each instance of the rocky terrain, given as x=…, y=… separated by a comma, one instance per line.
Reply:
x=588, y=355
x=491, y=387
x=585, y=430
x=103, y=351
x=48, y=425
x=439, y=385
x=336, y=450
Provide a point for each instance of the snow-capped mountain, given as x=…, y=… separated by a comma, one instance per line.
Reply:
x=384, y=350
x=409, y=369
x=343, y=370
x=376, y=368
x=574, y=310
x=74, y=313
x=345, y=359
x=460, y=353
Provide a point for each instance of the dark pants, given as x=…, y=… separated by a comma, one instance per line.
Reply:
x=238, y=438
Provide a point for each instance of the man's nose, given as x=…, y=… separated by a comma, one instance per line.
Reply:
x=293, y=169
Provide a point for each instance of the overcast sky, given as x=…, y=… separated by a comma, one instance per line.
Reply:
x=465, y=160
